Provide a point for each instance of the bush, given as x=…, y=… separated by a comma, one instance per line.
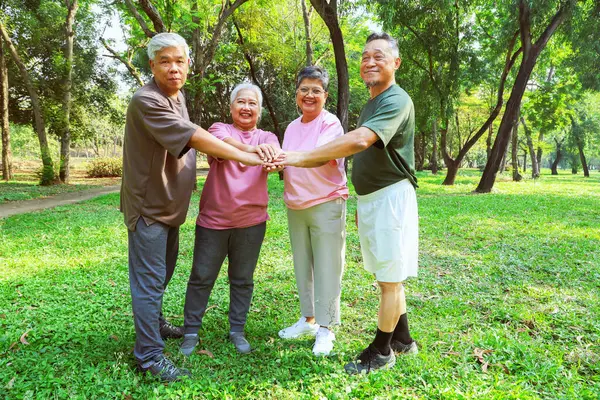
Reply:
x=105, y=167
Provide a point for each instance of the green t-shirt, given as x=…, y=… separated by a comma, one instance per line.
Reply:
x=391, y=115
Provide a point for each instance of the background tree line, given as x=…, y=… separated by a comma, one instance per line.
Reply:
x=496, y=84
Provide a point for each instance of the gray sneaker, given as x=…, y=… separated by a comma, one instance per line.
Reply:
x=190, y=341
x=401, y=348
x=240, y=342
x=164, y=369
x=370, y=360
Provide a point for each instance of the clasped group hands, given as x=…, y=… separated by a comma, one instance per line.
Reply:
x=275, y=159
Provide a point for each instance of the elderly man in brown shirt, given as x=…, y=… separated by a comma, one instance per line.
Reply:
x=159, y=170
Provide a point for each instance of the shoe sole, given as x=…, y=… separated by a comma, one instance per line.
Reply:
x=299, y=335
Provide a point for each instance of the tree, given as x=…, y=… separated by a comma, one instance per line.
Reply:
x=328, y=10
x=65, y=142
x=7, y=172
x=530, y=52
x=47, y=176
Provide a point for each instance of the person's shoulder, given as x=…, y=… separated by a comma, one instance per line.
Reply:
x=330, y=118
x=220, y=127
x=395, y=96
x=147, y=94
x=294, y=124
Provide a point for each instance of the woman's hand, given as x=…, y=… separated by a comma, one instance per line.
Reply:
x=267, y=152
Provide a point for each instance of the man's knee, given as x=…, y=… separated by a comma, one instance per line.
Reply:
x=389, y=287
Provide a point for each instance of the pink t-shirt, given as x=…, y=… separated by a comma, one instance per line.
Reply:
x=235, y=195
x=307, y=187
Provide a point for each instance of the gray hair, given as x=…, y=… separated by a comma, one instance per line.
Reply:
x=313, y=72
x=247, y=86
x=164, y=40
x=384, y=36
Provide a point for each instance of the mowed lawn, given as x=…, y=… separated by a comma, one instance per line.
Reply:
x=507, y=304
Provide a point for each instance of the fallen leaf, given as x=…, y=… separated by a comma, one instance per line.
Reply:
x=112, y=282
x=353, y=303
x=12, y=346
x=208, y=308
x=479, y=354
x=484, y=367
x=114, y=337
x=23, y=340
x=206, y=352
x=271, y=340
x=555, y=311
x=11, y=383
x=3, y=316
x=452, y=353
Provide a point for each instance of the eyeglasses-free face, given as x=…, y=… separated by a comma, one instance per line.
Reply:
x=310, y=97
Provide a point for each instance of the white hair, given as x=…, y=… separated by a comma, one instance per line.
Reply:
x=164, y=40
x=247, y=86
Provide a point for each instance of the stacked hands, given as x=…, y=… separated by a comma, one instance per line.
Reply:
x=274, y=159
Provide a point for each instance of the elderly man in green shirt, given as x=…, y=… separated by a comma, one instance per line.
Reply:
x=384, y=178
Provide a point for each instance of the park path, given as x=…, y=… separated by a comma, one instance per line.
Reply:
x=26, y=206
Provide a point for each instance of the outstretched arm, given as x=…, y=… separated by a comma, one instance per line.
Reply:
x=204, y=142
x=351, y=143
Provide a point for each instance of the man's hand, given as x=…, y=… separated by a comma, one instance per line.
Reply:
x=267, y=152
x=252, y=159
x=291, y=159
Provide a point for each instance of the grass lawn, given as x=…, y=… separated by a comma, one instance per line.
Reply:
x=507, y=304
x=24, y=185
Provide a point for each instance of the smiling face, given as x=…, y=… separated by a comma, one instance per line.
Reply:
x=170, y=68
x=378, y=64
x=310, y=97
x=245, y=110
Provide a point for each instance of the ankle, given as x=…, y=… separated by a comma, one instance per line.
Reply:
x=310, y=320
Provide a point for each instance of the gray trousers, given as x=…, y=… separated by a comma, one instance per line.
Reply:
x=153, y=253
x=242, y=247
x=318, y=239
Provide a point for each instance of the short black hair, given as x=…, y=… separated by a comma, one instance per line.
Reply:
x=385, y=36
x=313, y=72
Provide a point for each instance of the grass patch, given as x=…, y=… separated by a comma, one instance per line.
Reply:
x=505, y=306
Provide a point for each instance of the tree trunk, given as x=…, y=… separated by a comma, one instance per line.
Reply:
x=535, y=166
x=65, y=140
x=488, y=141
x=554, y=166
x=452, y=171
x=306, y=15
x=586, y=170
x=434, y=162
x=529, y=59
x=515, y=154
x=7, y=170
x=47, y=176
x=268, y=103
x=327, y=9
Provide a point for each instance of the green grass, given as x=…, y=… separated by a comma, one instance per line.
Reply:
x=512, y=276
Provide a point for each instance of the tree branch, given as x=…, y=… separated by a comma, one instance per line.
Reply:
x=152, y=13
x=126, y=61
x=133, y=10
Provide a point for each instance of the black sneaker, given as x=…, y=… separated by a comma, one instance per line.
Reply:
x=170, y=331
x=370, y=360
x=401, y=348
x=164, y=369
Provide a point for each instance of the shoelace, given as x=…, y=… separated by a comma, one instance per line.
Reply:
x=167, y=366
x=367, y=356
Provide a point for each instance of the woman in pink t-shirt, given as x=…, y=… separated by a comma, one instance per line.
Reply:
x=316, y=202
x=232, y=220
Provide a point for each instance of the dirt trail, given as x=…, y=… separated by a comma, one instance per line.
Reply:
x=26, y=206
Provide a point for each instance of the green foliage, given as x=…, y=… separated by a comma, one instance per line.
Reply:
x=105, y=167
x=503, y=307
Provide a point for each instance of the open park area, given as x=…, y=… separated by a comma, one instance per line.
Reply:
x=506, y=303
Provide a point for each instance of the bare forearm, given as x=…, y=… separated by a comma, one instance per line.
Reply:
x=239, y=145
x=351, y=143
x=207, y=143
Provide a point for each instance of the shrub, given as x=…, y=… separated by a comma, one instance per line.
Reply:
x=105, y=167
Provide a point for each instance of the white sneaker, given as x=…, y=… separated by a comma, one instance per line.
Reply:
x=300, y=328
x=324, y=342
